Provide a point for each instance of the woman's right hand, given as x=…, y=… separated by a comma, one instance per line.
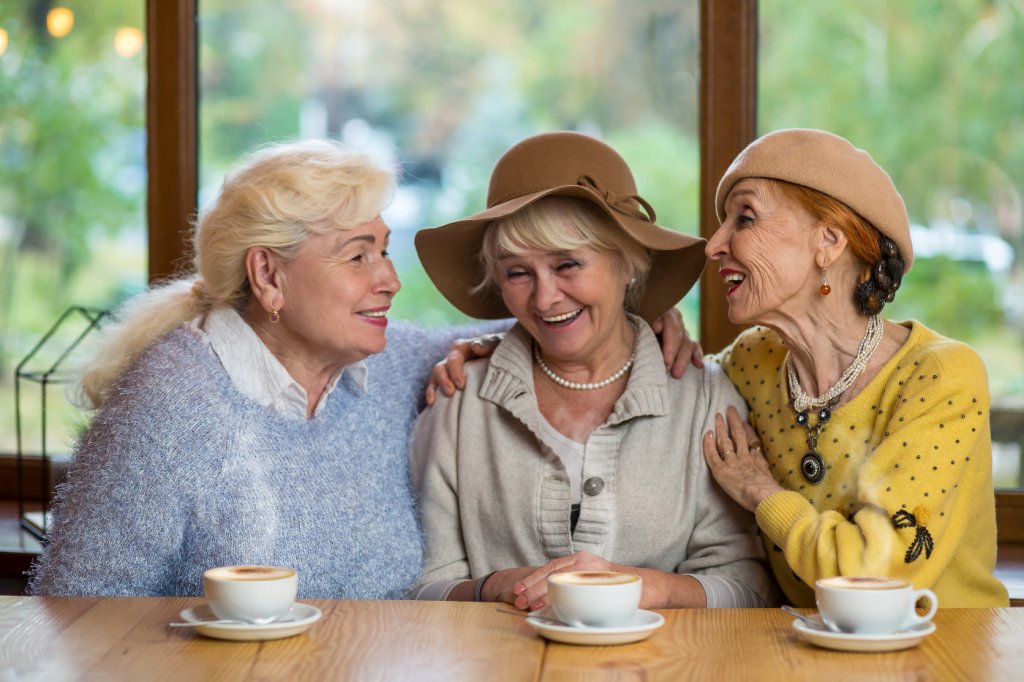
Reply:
x=448, y=375
x=734, y=456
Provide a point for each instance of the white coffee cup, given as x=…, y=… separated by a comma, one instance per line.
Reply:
x=870, y=605
x=254, y=594
x=599, y=599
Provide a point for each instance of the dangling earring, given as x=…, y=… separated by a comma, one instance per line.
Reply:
x=824, y=289
x=275, y=316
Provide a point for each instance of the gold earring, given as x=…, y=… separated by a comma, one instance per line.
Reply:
x=275, y=316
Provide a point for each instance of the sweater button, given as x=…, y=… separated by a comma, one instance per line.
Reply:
x=593, y=486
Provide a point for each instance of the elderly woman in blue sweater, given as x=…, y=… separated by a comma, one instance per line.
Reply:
x=249, y=413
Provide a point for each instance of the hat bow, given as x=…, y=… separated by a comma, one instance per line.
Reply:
x=623, y=203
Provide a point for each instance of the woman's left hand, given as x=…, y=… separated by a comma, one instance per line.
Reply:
x=532, y=591
x=733, y=453
x=677, y=348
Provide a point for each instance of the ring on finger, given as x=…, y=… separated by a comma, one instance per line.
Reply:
x=729, y=453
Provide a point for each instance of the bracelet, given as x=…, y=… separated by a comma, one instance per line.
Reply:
x=477, y=593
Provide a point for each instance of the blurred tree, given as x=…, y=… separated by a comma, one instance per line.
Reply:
x=922, y=86
x=452, y=84
x=72, y=153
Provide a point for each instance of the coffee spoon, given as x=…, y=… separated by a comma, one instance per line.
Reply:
x=198, y=623
x=534, y=616
x=810, y=620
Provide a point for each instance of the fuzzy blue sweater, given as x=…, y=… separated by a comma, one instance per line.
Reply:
x=180, y=472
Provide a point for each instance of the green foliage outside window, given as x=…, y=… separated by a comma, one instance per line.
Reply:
x=445, y=86
x=72, y=176
x=927, y=88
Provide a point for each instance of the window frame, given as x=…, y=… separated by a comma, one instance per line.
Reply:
x=172, y=110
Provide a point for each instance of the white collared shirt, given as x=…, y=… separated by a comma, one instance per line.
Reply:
x=255, y=371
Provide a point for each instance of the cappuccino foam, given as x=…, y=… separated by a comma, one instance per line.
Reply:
x=249, y=573
x=593, y=578
x=864, y=582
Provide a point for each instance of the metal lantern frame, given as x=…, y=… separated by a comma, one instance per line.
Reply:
x=45, y=378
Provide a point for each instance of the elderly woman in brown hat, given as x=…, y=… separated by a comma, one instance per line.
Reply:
x=873, y=455
x=570, y=448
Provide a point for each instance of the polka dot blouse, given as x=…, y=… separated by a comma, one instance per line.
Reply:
x=905, y=486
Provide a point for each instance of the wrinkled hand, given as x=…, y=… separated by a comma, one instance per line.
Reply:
x=677, y=348
x=532, y=591
x=733, y=453
x=448, y=374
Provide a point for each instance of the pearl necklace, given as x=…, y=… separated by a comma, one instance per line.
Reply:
x=593, y=386
x=803, y=402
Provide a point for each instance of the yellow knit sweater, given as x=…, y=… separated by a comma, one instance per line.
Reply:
x=907, y=490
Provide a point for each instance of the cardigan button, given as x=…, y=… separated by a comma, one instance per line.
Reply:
x=593, y=486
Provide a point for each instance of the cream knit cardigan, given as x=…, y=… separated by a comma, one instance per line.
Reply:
x=494, y=496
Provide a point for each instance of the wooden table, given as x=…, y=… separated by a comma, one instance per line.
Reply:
x=128, y=639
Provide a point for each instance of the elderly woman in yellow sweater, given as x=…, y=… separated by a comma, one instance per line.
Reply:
x=870, y=452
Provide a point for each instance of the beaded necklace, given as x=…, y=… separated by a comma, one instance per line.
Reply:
x=592, y=386
x=812, y=466
x=802, y=402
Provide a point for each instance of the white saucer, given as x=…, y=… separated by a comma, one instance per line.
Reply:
x=842, y=641
x=640, y=627
x=299, y=619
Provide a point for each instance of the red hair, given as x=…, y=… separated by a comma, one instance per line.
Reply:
x=861, y=235
x=881, y=266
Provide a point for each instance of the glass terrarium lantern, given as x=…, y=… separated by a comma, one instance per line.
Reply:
x=46, y=421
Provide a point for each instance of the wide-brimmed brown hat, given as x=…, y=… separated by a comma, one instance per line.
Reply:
x=564, y=164
x=831, y=165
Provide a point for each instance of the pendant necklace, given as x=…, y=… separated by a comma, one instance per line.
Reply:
x=812, y=466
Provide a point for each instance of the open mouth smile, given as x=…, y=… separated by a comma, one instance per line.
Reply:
x=377, y=316
x=562, y=318
x=732, y=279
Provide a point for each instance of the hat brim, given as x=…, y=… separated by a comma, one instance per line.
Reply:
x=451, y=256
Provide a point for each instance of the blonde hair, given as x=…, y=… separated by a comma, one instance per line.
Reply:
x=278, y=197
x=557, y=223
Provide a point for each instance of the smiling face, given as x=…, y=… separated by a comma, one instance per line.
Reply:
x=571, y=302
x=336, y=295
x=765, y=250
